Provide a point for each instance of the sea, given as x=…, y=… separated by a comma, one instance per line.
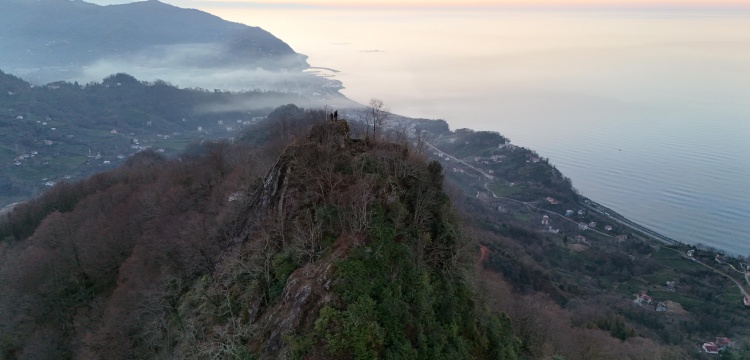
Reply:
x=647, y=111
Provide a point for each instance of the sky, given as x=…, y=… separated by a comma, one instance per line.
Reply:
x=686, y=4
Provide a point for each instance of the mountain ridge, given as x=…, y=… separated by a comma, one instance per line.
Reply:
x=49, y=40
x=344, y=248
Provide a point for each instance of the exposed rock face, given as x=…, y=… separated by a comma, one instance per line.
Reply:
x=337, y=129
x=298, y=302
x=269, y=194
x=272, y=193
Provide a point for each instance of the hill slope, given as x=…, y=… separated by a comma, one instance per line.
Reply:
x=344, y=249
x=64, y=130
x=50, y=40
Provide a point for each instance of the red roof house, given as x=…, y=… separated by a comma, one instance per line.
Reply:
x=710, y=348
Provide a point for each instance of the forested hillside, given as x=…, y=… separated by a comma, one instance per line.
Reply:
x=341, y=249
x=67, y=130
x=50, y=40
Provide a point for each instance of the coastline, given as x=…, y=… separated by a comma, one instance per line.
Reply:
x=8, y=208
x=482, y=171
x=615, y=216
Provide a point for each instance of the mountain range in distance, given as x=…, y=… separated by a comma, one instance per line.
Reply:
x=51, y=40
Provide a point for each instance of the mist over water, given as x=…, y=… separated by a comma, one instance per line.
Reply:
x=647, y=112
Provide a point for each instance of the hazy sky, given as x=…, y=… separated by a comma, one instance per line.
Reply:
x=454, y=3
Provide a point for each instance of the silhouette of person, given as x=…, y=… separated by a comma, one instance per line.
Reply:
x=336, y=115
x=331, y=116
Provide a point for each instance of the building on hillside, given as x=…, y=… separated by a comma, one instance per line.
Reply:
x=671, y=285
x=569, y=213
x=545, y=220
x=661, y=307
x=608, y=227
x=746, y=300
x=552, y=200
x=581, y=239
x=621, y=238
x=592, y=224
x=710, y=348
x=583, y=226
x=642, y=299
x=723, y=342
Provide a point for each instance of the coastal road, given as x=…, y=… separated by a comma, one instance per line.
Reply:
x=530, y=205
x=633, y=225
x=489, y=176
x=668, y=241
x=735, y=269
x=504, y=198
x=624, y=221
x=460, y=161
x=739, y=285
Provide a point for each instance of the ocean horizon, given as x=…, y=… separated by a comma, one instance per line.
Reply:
x=646, y=111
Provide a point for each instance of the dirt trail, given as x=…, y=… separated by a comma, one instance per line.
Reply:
x=460, y=161
x=739, y=285
x=484, y=253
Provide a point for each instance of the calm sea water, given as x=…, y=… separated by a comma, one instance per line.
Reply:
x=647, y=112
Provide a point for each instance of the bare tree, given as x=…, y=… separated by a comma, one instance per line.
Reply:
x=358, y=207
x=421, y=140
x=377, y=115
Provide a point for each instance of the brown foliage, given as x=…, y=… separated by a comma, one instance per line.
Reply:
x=546, y=329
x=76, y=285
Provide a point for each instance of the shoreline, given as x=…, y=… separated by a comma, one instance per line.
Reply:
x=650, y=233
x=615, y=216
x=8, y=208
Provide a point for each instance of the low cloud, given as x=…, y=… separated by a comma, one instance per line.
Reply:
x=190, y=66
